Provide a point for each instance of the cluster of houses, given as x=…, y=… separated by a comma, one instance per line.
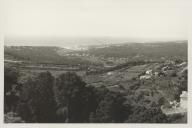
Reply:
x=168, y=66
x=149, y=74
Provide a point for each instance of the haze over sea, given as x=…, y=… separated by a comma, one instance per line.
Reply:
x=77, y=42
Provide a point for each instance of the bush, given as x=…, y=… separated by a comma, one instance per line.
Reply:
x=11, y=117
x=147, y=115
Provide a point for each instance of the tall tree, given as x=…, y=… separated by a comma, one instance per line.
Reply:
x=10, y=77
x=71, y=92
x=10, y=88
x=112, y=109
x=37, y=99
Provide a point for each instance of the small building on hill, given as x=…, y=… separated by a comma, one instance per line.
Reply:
x=145, y=77
x=110, y=73
x=183, y=100
x=149, y=72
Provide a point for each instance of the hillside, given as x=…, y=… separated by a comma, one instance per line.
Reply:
x=41, y=54
x=155, y=51
x=147, y=85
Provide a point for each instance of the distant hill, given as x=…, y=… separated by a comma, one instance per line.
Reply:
x=40, y=54
x=166, y=50
x=134, y=51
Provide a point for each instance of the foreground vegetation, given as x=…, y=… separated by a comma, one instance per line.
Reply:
x=42, y=98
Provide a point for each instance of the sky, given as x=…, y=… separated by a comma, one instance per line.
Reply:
x=145, y=19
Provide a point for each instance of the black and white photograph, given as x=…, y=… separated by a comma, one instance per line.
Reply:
x=93, y=61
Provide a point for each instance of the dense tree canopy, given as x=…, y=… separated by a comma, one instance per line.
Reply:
x=37, y=99
x=72, y=93
x=68, y=99
x=10, y=77
x=11, y=88
x=112, y=109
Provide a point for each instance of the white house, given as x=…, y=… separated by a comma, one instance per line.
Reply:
x=145, y=77
x=110, y=73
x=156, y=73
x=148, y=72
x=183, y=100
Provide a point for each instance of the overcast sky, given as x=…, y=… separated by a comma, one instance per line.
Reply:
x=155, y=19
